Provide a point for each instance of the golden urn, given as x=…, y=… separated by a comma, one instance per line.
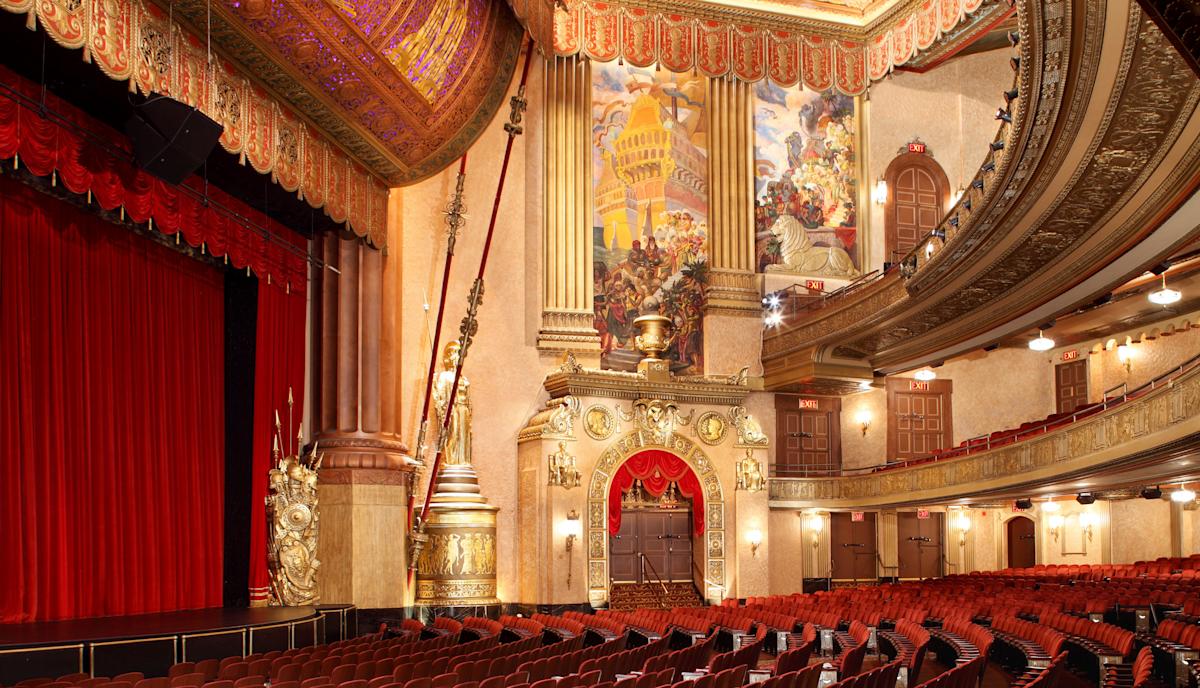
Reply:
x=654, y=335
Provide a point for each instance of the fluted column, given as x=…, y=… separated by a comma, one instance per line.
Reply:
x=363, y=477
x=567, y=290
x=732, y=289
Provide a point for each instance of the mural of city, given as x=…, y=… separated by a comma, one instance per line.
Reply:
x=650, y=182
x=806, y=182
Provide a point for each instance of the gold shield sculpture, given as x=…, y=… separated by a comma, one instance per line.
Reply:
x=293, y=525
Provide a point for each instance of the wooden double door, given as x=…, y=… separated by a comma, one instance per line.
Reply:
x=920, y=418
x=852, y=548
x=663, y=537
x=920, y=549
x=808, y=435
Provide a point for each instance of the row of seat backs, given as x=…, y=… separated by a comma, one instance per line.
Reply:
x=965, y=675
x=1049, y=639
x=1114, y=637
x=879, y=677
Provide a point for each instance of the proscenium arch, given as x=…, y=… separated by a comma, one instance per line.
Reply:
x=611, y=459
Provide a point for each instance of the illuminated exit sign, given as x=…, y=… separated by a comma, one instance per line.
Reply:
x=810, y=404
x=922, y=514
x=858, y=516
x=918, y=385
x=814, y=285
x=1070, y=355
x=916, y=147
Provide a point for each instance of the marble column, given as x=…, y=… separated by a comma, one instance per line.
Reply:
x=567, y=290
x=733, y=314
x=364, y=473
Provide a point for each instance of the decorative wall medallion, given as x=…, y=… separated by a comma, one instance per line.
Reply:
x=599, y=422
x=710, y=428
x=750, y=432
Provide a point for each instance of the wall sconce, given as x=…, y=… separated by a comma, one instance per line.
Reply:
x=863, y=418
x=879, y=192
x=754, y=537
x=1086, y=521
x=1055, y=522
x=963, y=523
x=1125, y=356
x=573, y=529
x=749, y=473
x=815, y=524
x=563, y=472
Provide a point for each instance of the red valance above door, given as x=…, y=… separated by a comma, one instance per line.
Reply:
x=657, y=469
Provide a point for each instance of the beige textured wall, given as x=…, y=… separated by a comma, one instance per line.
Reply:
x=789, y=547
x=1141, y=529
x=859, y=450
x=1149, y=359
x=1071, y=546
x=998, y=390
x=950, y=108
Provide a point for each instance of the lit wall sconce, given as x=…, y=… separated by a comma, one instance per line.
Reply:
x=1125, y=356
x=563, y=472
x=863, y=418
x=1055, y=522
x=1086, y=521
x=879, y=192
x=754, y=537
x=749, y=473
x=815, y=525
x=572, y=528
x=963, y=523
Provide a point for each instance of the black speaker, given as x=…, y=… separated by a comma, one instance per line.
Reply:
x=1152, y=492
x=1085, y=498
x=1024, y=504
x=170, y=139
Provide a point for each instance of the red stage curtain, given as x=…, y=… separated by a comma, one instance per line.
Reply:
x=279, y=366
x=656, y=469
x=111, y=418
x=45, y=146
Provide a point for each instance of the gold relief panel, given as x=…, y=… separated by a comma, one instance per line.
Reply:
x=716, y=515
x=596, y=513
x=716, y=544
x=703, y=465
x=716, y=571
x=456, y=590
x=712, y=486
x=607, y=460
x=596, y=544
x=710, y=428
x=597, y=576
x=599, y=422
x=599, y=480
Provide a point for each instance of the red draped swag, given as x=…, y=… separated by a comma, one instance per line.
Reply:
x=87, y=522
x=656, y=469
x=111, y=417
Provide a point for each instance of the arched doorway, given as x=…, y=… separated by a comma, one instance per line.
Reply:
x=918, y=193
x=655, y=507
x=1021, y=541
x=708, y=544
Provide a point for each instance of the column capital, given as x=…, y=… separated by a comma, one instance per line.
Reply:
x=733, y=292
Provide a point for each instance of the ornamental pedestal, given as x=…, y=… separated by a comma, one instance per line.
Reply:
x=457, y=567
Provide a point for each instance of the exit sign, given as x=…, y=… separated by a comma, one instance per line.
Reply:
x=1070, y=355
x=810, y=404
x=814, y=285
x=922, y=514
x=916, y=147
x=918, y=385
x=858, y=516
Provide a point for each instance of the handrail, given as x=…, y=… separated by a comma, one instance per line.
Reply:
x=982, y=443
x=825, y=297
x=661, y=602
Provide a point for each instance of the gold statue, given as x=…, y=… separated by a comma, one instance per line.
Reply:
x=563, y=472
x=749, y=473
x=457, y=451
x=292, y=528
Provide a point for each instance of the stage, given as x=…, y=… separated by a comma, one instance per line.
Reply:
x=151, y=643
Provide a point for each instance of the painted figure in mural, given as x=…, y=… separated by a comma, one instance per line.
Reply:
x=799, y=256
x=457, y=451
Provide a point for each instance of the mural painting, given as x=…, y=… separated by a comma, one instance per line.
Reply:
x=650, y=180
x=806, y=182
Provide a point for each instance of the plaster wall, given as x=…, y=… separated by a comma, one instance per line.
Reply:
x=951, y=108
x=1141, y=529
x=1148, y=359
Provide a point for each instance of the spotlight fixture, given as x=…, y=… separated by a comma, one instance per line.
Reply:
x=1023, y=504
x=1042, y=343
x=1014, y=37
x=988, y=166
x=978, y=184
x=939, y=234
x=1004, y=115
x=1010, y=96
x=1050, y=506
x=1085, y=498
x=1015, y=63
x=1151, y=492
x=773, y=319
x=967, y=204
x=1164, y=296
x=925, y=375
x=997, y=145
x=1183, y=496
x=953, y=221
x=772, y=300
x=991, y=347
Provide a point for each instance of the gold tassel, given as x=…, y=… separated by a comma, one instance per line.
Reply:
x=202, y=248
x=268, y=279
x=122, y=213
x=227, y=259
x=247, y=270
x=150, y=223
x=53, y=178
x=16, y=161
x=289, y=288
x=89, y=200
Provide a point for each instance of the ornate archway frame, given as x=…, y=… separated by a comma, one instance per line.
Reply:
x=597, y=520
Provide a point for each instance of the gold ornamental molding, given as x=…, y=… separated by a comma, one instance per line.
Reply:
x=750, y=44
x=1103, y=144
x=1131, y=434
x=715, y=389
x=135, y=41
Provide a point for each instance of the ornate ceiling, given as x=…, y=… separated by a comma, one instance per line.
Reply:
x=405, y=87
